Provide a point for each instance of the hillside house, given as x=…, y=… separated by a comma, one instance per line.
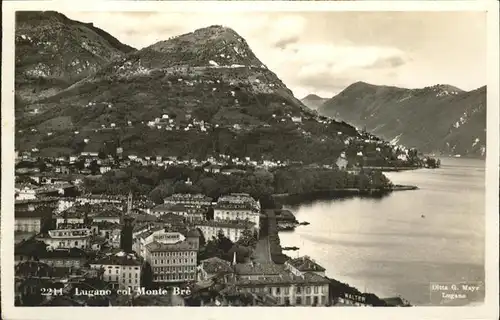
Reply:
x=212, y=169
x=25, y=191
x=341, y=163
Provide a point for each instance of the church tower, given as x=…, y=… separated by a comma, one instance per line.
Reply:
x=129, y=203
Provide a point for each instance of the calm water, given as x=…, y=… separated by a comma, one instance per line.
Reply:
x=385, y=247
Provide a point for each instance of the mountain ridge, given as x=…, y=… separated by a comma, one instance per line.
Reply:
x=432, y=119
x=197, y=94
x=53, y=52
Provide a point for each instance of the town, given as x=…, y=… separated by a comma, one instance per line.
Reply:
x=202, y=250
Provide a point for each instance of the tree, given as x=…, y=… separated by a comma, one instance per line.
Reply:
x=209, y=186
x=94, y=167
x=160, y=192
x=247, y=239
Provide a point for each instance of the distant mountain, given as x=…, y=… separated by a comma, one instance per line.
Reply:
x=53, y=52
x=313, y=101
x=440, y=119
x=198, y=94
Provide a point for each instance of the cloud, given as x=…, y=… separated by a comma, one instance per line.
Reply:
x=285, y=30
x=316, y=52
x=285, y=42
x=388, y=62
x=329, y=68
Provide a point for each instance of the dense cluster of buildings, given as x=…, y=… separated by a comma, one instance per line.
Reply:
x=76, y=241
x=105, y=240
x=299, y=282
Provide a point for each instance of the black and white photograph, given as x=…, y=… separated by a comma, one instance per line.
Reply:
x=249, y=157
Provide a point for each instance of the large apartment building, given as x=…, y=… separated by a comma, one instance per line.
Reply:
x=238, y=206
x=172, y=255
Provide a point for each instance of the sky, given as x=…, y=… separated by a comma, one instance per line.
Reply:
x=324, y=52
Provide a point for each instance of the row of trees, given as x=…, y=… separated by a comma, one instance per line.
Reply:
x=159, y=183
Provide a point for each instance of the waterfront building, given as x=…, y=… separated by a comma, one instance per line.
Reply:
x=121, y=270
x=238, y=206
x=304, y=264
x=305, y=288
x=232, y=229
x=350, y=299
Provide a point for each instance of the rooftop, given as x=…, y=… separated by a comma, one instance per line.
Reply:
x=305, y=264
x=235, y=206
x=236, y=224
x=103, y=196
x=216, y=265
x=119, y=259
x=188, y=196
x=181, y=246
x=169, y=208
x=247, y=269
x=106, y=225
x=143, y=217
x=285, y=278
x=108, y=213
x=29, y=247
x=37, y=201
x=39, y=212
x=62, y=253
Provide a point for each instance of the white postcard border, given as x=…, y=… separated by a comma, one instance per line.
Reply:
x=489, y=310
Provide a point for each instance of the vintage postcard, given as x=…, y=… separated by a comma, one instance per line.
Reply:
x=302, y=156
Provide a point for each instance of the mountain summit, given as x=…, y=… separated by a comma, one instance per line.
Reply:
x=210, y=46
x=313, y=101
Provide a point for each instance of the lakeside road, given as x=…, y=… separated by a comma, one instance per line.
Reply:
x=262, y=253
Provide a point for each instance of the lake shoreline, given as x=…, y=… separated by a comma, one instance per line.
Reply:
x=374, y=233
x=344, y=192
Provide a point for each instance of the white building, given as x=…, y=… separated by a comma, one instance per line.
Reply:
x=104, y=169
x=238, y=206
x=66, y=237
x=121, y=270
x=341, y=163
x=25, y=192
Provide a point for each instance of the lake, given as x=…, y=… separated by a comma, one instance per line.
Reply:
x=384, y=245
